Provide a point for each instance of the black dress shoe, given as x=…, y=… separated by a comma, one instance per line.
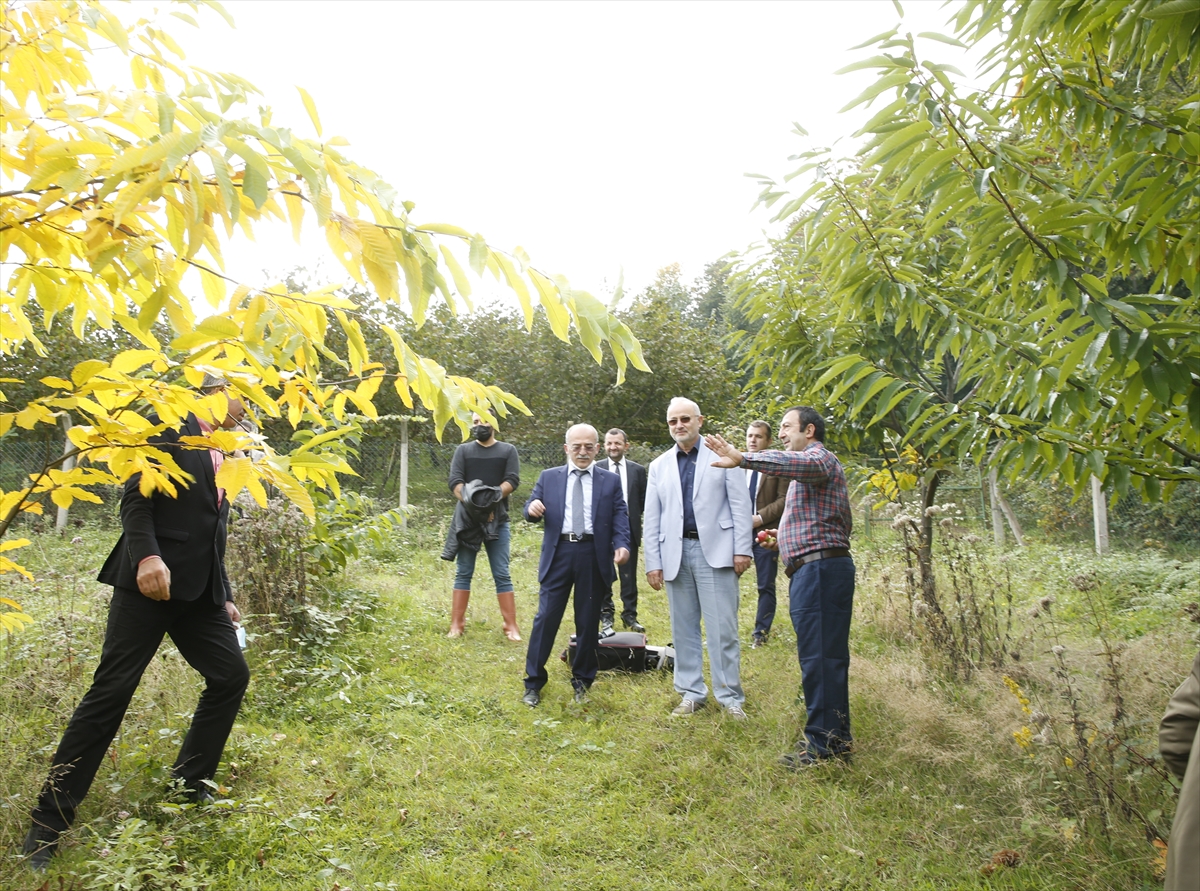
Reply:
x=199, y=796
x=40, y=845
x=634, y=625
x=531, y=698
x=581, y=694
x=804, y=759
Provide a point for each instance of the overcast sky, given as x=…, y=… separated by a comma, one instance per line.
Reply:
x=598, y=136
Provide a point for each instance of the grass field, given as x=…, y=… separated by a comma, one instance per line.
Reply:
x=382, y=755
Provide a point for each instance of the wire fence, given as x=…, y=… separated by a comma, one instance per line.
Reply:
x=1043, y=510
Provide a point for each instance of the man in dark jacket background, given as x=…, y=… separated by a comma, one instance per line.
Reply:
x=767, y=495
x=633, y=487
x=168, y=576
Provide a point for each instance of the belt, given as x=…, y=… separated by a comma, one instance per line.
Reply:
x=691, y=535
x=812, y=557
x=571, y=536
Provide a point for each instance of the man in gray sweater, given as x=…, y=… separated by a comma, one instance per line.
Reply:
x=493, y=463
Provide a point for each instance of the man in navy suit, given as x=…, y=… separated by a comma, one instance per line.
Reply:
x=586, y=532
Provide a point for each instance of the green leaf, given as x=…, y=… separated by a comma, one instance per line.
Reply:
x=1154, y=376
x=1193, y=408
x=896, y=79
x=872, y=62
x=886, y=35
x=942, y=38
x=1095, y=461
x=1170, y=9
x=979, y=180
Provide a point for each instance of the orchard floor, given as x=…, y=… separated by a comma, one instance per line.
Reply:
x=392, y=757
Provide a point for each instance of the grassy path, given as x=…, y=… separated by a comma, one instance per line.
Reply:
x=399, y=759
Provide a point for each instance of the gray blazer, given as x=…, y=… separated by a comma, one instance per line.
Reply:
x=721, y=503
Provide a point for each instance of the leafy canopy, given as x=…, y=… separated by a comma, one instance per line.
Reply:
x=1013, y=270
x=114, y=207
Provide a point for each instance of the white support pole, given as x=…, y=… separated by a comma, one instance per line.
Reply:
x=404, y=473
x=1100, y=515
x=60, y=521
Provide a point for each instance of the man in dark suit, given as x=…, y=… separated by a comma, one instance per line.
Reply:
x=767, y=494
x=168, y=576
x=586, y=532
x=633, y=487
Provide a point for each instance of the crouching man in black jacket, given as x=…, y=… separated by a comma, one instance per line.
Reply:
x=168, y=576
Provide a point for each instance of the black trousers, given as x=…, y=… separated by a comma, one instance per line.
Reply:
x=204, y=635
x=573, y=566
x=627, y=574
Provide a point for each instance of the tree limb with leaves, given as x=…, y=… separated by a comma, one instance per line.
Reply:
x=114, y=207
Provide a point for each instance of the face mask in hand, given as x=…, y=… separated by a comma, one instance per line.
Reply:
x=482, y=432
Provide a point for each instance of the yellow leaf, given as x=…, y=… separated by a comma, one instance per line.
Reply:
x=311, y=108
x=131, y=360
x=233, y=476
x=214, y=288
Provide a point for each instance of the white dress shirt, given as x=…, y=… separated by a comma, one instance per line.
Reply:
x=568, y=514
x=618, y=467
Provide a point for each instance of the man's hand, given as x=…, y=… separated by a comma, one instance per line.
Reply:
x=536, y=509
x=730, y=457
x=741, y=563
x=654, y=579
x=235, y=615
x=621, y=556
x=756, y=520
x=154, y=578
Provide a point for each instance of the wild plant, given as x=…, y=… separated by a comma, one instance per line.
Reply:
x=964, y=621
x=1103, y=763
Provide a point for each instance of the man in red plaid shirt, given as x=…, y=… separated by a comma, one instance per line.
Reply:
x=814, y=544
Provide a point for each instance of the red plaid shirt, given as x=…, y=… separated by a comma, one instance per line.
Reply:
x=816, y=514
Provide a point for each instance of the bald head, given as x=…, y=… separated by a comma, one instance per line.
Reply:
x=683, y=422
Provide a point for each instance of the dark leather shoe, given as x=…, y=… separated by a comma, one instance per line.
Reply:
x=199, y=796
x=803, y=759
x=532, y=698
x=758, y=640
x=41, y=844
x=581, y=694
x=635, y=625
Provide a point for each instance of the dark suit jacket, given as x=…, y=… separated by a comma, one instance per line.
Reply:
x=772, y=492
x=610, y=518
x=636, y=503
x=188, y=531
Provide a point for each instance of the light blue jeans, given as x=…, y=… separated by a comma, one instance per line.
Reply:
x=702, y=592
x=497, y=552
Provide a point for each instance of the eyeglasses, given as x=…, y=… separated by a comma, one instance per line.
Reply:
x=686, y=419
x=584, y=446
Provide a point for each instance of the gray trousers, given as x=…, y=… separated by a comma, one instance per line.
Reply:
x=702, y=592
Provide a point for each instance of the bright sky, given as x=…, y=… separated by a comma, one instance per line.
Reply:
x=597, y=136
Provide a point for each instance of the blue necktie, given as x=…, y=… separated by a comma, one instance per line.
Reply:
x=753, y=487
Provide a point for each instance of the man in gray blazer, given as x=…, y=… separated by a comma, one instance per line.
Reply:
x=697, y=540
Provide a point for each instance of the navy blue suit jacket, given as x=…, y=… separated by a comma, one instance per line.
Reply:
x=610, y=516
